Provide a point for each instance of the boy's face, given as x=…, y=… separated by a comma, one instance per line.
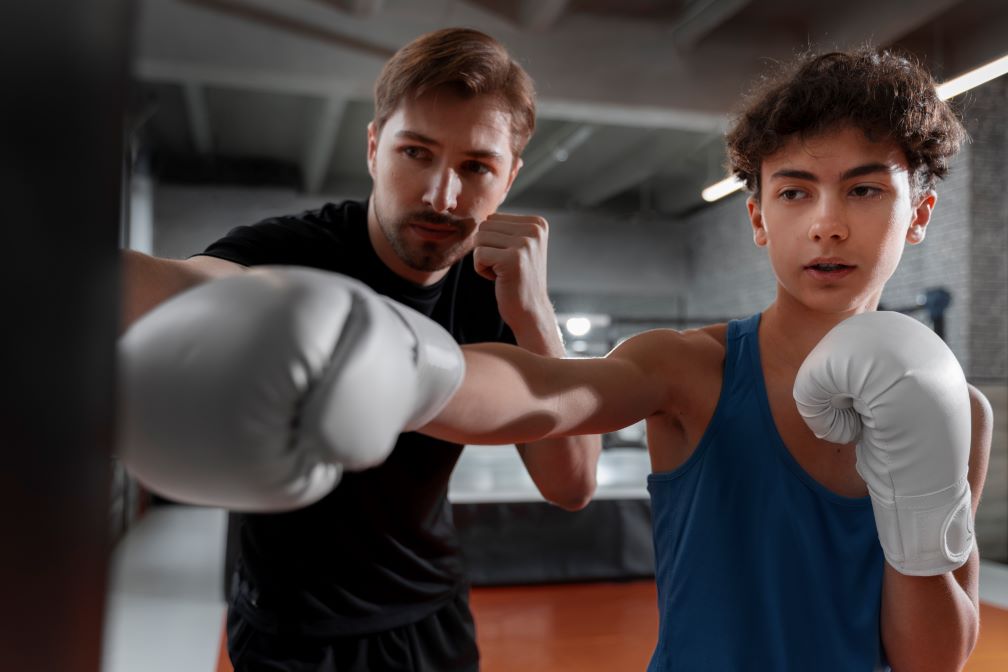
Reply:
x=834, y=214
x=441, y=164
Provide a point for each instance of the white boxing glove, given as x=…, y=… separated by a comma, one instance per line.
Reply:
x=889, y=383
x=254, y=392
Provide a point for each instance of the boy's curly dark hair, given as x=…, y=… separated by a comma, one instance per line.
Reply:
x=883, y=93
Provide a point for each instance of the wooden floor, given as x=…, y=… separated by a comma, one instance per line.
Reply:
x=600, y=627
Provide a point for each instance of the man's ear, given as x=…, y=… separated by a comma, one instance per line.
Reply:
x=921, y=217
x=517, y=164
x=756, y=219
x=373, y=132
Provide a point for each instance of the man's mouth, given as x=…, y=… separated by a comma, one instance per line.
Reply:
x=431, y=231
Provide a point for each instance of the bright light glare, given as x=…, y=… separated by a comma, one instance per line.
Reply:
x=973, y=78
x=578, y=326
x=729, y=185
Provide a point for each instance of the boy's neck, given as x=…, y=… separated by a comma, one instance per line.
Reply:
x=789, y=329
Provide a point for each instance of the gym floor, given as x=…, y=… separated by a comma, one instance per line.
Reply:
x=165, y=610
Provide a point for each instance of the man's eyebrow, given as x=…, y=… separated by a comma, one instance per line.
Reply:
x=419, y=137
x=475, y=153
x=857, y=171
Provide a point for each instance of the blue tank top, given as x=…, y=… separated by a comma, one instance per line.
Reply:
x=760, y=567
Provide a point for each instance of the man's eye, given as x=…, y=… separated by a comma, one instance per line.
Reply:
x=414, y=152
x=477, y=167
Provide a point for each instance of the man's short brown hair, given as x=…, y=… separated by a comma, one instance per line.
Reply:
x=464, y=61
x=887, y=95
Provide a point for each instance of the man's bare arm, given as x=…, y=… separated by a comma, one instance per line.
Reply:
x=147, y=280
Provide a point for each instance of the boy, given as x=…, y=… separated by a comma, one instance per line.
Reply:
x=770, y=556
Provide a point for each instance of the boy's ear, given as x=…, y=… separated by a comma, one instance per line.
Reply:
x=921, y=217
x=756, y=219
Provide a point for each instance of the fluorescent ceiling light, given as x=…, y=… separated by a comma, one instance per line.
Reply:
x=952, y=87
x=973, y=78
x=719, y=190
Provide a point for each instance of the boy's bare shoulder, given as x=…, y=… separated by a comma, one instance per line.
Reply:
x=677, y=353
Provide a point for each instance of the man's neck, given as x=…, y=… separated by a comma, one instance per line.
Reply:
x=388, y=255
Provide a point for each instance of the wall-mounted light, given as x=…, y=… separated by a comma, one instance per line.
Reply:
x=952, y=87
x=578, y=326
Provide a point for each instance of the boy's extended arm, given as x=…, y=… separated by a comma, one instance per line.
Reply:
x=932, y=622
x=510, y=395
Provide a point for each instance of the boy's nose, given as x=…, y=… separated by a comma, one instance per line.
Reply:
x=830, y=223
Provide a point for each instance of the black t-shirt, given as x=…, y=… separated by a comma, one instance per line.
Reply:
x=381, y=550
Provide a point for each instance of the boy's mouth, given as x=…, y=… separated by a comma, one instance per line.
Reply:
x=828, y=269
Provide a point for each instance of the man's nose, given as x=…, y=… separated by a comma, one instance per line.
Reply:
x=443, y=191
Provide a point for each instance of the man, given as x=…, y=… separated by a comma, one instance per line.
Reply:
x=369, y=577
x=816, y=467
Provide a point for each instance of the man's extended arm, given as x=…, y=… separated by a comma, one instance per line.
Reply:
x=147, y=280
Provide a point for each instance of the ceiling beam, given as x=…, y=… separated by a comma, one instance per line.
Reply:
x=701, y=18
x=364, y=9
x=290, y=24
x=321, y=144
x=198, y=116
x=556, y=149
x=637, y=116
x=881, y=24
x=540, y=15
x=644, y=160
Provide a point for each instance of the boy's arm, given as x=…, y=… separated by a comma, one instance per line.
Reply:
x=932, y=622
x=510, y=395
x=147, y=280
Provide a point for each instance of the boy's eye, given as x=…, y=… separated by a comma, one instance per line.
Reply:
x=791, y=194
x=864, y=191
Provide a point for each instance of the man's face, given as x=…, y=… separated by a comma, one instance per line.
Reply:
x=440, y=165
x=835, y=212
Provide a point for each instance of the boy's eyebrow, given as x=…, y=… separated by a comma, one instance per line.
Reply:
x=420, y=137
x=857, y=171
x=866, y=169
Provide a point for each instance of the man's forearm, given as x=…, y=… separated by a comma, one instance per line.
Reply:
x=563, y=469
x=147, y=280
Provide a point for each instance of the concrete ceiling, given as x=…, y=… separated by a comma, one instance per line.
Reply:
x=633, y=94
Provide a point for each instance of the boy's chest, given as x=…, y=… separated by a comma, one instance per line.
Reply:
x=831, y=464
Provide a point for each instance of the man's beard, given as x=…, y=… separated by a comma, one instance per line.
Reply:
x=425, y=255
